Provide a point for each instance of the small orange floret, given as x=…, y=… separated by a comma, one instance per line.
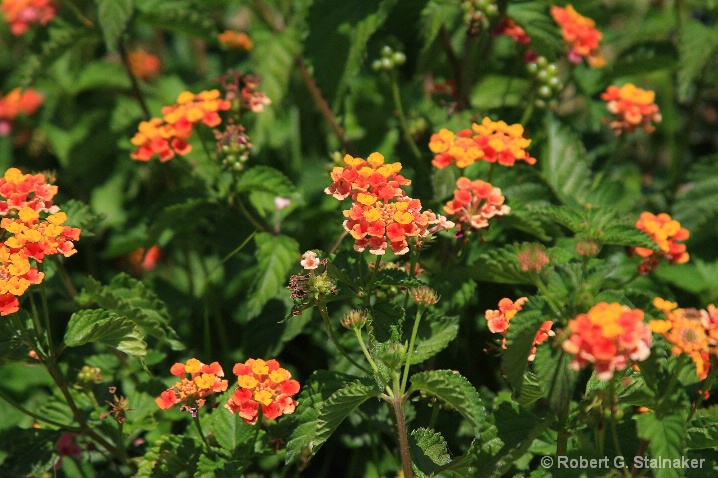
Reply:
x=665, y=232
x=20, y=14
x=236, y=40
x=580, y=35
x=499, y=320
x=474, y=203
x=204, y=381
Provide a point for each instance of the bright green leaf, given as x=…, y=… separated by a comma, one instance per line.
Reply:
x=454, y=390
x=105, y=327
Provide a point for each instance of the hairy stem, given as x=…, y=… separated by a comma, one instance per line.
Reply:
x=202, y=436
x=133, y=80
x=414, y=331
x=398, y=405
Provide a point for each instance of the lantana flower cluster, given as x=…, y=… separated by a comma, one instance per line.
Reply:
x=143, y=65
x=609, y=336
x=580, y=35
x=308, y=289
x=665, y=232
x=474, y=203
x=692, y=332
x=32, y=228
x=16, y=103
x=204, y=380
x=633, y=107
x=381, y=214
x=490, y=141
x=20, y=14
x=167, y=136
x=235, y=40
x=499, y=320
x=262, y=383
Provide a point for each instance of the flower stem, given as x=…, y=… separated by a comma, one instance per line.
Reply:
x=327, y=324
x=46, y=315
x=201, y=434
x=614, y=433
x=398, y=405
x=414, y=331
x=396, y=96
x=366, y=352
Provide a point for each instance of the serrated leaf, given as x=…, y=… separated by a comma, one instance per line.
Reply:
x=619, y=235
x=435, y=14
x=500, y=265
x=395, y=277
x=264, y=178
x=129, y=297
x=697, y=46
x=564, y=162
x=276, y=256
x=315, y=391
x=534, y=18
x=428, y=451
x=519, y=341
x=697, y=203
x=454, y=390
x=665, y=436
x=232, y=432
x=498, y=91
x=180, y=16
x=173, y=455
x=338, y=406
x=81, y=215
x=29, y=452
x=113, y=16
x=554, y=377
x=573, y=219
x=105, y=327
x=435, y=333
x=702, y=433
x=219, y=468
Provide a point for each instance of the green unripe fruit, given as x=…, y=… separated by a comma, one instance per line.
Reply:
x=552, y=69
x=386, y=51
x=532, y=67
x=542, y=75
x=540, y=103
x=492, y=10
x=387, y=64
x=399, y=58
x=555, y=83
x=376, y=65
x=542, y=61
x=544, y=91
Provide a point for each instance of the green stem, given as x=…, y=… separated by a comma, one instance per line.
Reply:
x=707, y=386
x=201, y=434
x=398, y=406
x=434, y=415
x=614, y=433
x=414, y=331
x=396, y=96
x=78, y=13
x=35, y=416
x=133, y=80
x=412, y=270
x=528, y=111
x=255, y=222
x=46, y=315
x=672, y=382
x=330, y=331
x=373, y=273
x=35, y=316
x=357, y=332
x=121, y=442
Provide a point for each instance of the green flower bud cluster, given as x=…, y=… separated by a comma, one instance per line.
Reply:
x=549, y=84
x=233, y=147
x=389, y=60
x=478, y=14
x=88, y=375
x=354, y=319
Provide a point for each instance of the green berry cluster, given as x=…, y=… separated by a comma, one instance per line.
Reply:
x=478, y=14
x=389, y=60
x=88, y=375
x=233, y=147
x=549, y=84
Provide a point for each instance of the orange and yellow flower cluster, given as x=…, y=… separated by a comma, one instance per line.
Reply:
x=689, y=331
x=32, y=228
x=665, y=232
x=236, y=40
x=633, y=107
x=262, y=383
x=509, y=28
x=489, y=141
x=474, y=203
x=608, y=336
x=381, y=215
x=17, y=103
x=167, y=136
x=20, y=14
x=204, y=381
x=499, y=320
x=580, y=35
x=143, y=65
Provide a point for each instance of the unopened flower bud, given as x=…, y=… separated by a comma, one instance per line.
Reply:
x=532, y=258
x=586, y=248
x=425, y=296
x=354, y=319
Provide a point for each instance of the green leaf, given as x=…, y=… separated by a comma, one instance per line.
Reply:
x=697, y=204
x=277, y=256
x=178, y=15
x=630, y=236
x=396, y=277
x=436, y=332
x=697, y=46
x=428, y=451
x=309, y=416
x=81, y=215
x=264, y=178
x=101, y=75
x=129, y=297
x=232, y=432
x=454, y=390
x=172, y=455
x=519, y=341
x=666, y=438
x=564, y=162
x=554, y=377
x=702, y=433
x=435, y=14
x=29, y=452
x=315, y=391
x=105, y=327
x=220, y=467
x=573, y=219
x=500, y=265
x=498, y=91
x=338, y=406
x=114, y=15
x=533, y=17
